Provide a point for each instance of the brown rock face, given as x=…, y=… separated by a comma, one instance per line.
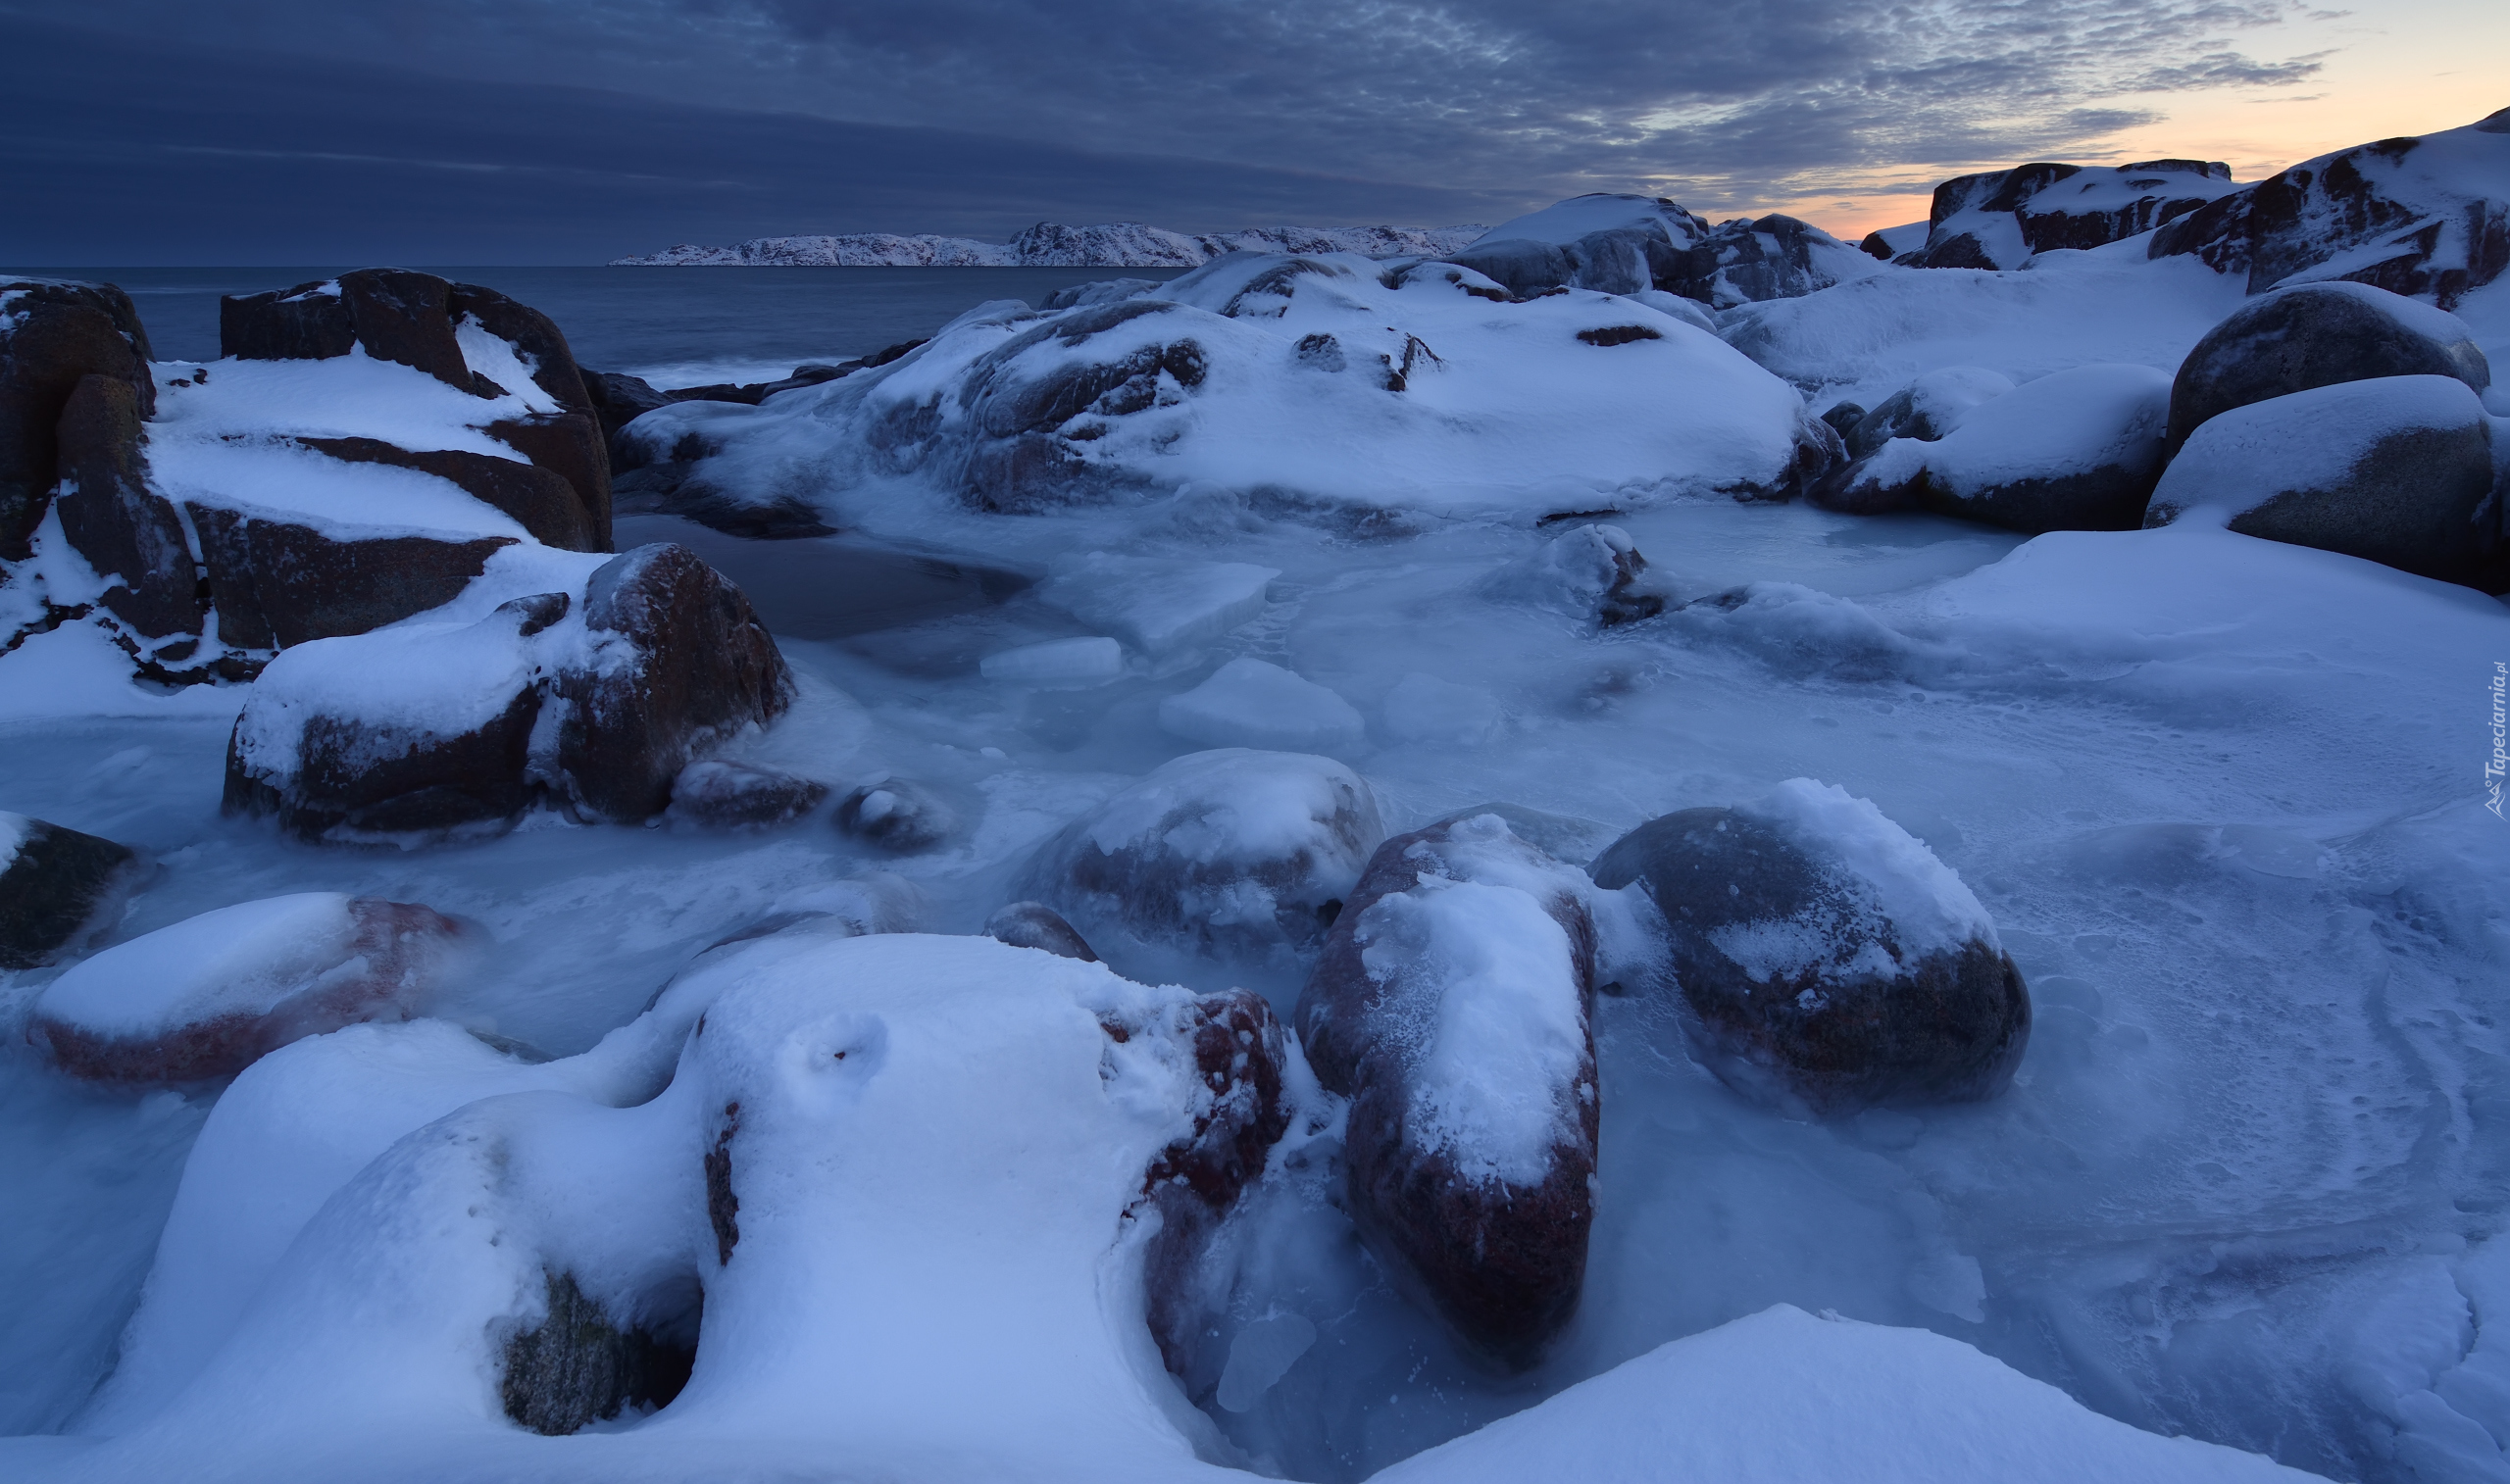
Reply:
x=540, y=500
x=277, y=583
x=356, y=779
x=702, y=668
x=386, y=976
x=51, y=336
x=126, y=532
x=1502, y=1260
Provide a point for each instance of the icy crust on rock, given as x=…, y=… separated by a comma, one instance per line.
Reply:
x=2240, y=460
x=1782, y=1397
x=1901, y=882
x=903, y=1171
x=1482, y=1009
x=1116, y=244
x=1306, y=381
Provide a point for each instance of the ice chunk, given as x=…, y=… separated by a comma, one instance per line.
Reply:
x=1248, y=703
x=1057, y=663
x=1261, y=1355
x=1157, y=606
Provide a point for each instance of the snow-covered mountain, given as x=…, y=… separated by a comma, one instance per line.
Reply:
x=1050, y=244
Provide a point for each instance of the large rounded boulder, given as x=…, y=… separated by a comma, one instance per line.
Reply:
x=1831, y=961
x=1450, y=1006
x=52, y=335
x=1230, y=853
x=2313, y=335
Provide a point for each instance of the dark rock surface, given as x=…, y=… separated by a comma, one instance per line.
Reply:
x=721, y=795
x=571, y=445
x=2317, y=335
x=56, y=884
x=1034, y=925
x=2001, y=218
x=387, y=970
x=1020, y=396
x=349, y=777
x=121, y=525
x=52, y=335
x=542, y=501
x=277, y=583
x=1496, y=1244
x=1748, y=260
x=703, y=669
x=1863, y=1018
x=2427, y=217
x=579, y=1365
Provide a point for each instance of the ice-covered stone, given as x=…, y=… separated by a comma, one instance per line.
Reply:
x=2318, y=334
x=56, y=886
x=2396, y=470
x=1831, y=960
x=1450, y=1006
x=212, y=994
x=1034, y=925
x=898, y=817
x=1230, y=852
x=1594, y=572
x=717, y=794
x=1251, y=703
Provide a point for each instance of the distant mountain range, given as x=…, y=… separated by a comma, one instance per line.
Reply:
x=1115, y=244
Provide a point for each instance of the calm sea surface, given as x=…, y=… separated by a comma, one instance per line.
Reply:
x=675, y=326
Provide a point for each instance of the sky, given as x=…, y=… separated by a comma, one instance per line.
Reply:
x=522, y=131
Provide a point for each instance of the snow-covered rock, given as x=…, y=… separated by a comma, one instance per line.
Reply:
x=1594, y=572
x=2000, y=219
x=212, y=994
x=1232, y=852
x=1828, y=957
x=56, y=886
x=52, y=333
x=1253, y=703
x=2396, y=470
x=1927, y=409
x=1329, y=387
x=716, y=794
x=897, y=816
x=1034, y=925
x=2077, y=450
x=1116, y=244
x=1631, y=244
x=2423, y=216
x=592, y=687
x=1450, y=1006
x=2318, y=334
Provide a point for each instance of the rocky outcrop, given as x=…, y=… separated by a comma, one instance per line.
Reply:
x=54, y=334
x=1749, y=261
x=2426, y=216
x=2001, y=218
x=1232, y=853
x=128, y=534
x=56, y=887
x=1830, y=960
x=540, y=500
x=596, y=703
x=2318, y=334
x=212, y=994
x=2394, y=469
x=1450, y=1006
x=1626, y=244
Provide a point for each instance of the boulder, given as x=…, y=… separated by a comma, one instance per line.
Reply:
x=2076, y=450
x=619, y=399
x=1925, y=409
x=453, y=727
x=720, y=795
x=569, y=445
x=212, y=994
x=1748, y=260
x=896, y=816
x=2425, y=217
x=1034, y=925
x=1232, y=853
x=2318, y=334
x=1020, y=395
x=540, y=500
x=128, y=534
x=56, y=887
x=392, y=314
x=1450, y=1005
x=1829, y=959
x=694, y=667
x=2001, y=218
x=278, y=583
x=52, y=335
x=2396, y=470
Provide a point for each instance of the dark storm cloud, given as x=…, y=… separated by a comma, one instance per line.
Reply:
x=1190, y=112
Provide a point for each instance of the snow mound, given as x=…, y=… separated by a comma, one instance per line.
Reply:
x=1249, y=702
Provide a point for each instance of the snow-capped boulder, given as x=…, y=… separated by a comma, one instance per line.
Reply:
x=53, y=333
x=1450, y=1006
x=1253, y=703
x=2425, y=217
x=56, y=885
x=594, y=695
x=1331, y=389
x=1034, y=925
x=1749, y=261
x=1927, y=409
x=2318, y=334
x=2396, y=470
x=212, y=994
x=1232, y=852
x=899, y=816
x=2000, y=219
x=2077, y=450
x=719, y=795
x=1630, y=244
x=1829, y=957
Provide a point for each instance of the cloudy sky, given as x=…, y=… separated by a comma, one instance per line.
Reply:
x=194, y=131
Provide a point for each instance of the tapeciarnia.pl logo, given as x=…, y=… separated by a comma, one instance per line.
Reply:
x=2493, y=766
